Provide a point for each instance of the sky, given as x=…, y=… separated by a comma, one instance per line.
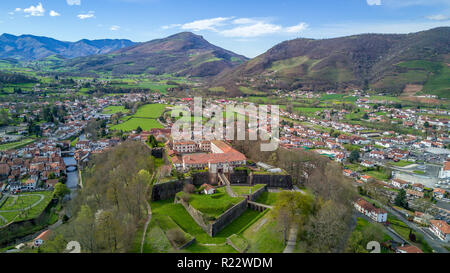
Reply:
x=247, y=27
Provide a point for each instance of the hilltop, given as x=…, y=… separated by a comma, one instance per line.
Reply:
x=390, y=63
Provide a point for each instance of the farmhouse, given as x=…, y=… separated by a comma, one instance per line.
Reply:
x=441, y=229
x=376, y=214
x=208, y=189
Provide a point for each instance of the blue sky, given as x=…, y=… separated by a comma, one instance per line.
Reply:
x=248, y=27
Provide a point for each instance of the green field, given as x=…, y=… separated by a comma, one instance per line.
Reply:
x=264, y=236
x=268, y=198
x=213, y=205
x=243, y=190
x=150, y=111
x=133, y=123
x=204, y=243
x=145, y=117
x=15, y=145
x=25, y=206
x=114, y=110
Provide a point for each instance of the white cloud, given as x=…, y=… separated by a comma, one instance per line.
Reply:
x=54, y=13
x=37, y=10
x=171, y=26
x=373, y=2
x=244, y=21
x=90, y=14
x=114, y=28
x=253, y=30
x=438, y=17
x=206, y=24
x=297, y=28
x=73, y=2
x=239, y=27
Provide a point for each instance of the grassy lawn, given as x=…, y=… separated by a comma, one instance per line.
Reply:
x=199, y=248
x=25, y=201
x=132, y=124
x=401, y=163
x=15, y=145
x=378, y=175
x=402, y=229
x=264, y=236
x=150, y=111
x=268, y=198
x=156, y=241
x=239, y=241
x=182, y=218
x=242, y=190
x=213, y=205
x=114, y=110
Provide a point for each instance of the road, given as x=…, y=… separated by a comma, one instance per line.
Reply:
x=433, y=243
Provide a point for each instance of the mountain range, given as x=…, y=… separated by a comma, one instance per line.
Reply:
x=182, y=54
x=390, y=63
x=30, y=47
x=385, y=62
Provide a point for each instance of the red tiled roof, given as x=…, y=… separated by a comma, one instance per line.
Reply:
x=410, y=249
x=441, y=225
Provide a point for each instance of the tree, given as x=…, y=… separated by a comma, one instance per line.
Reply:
x=61, y=190
x=400, y=200
x=292, y=208
x=354, y=156
x=152, y=141
x=139, y=130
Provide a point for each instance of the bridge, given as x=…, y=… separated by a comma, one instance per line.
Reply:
x=257, y=206
x=67, y=153
x=71, y=167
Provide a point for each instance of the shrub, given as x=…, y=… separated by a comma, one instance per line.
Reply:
x=189, y=188
x=186, y=197
x=177, y=236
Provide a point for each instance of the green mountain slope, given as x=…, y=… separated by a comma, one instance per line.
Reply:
x=383, y=62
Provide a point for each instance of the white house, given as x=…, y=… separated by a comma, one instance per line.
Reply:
x=445, y=171
x=441, y=229
x=377, y=214
x=208, y=189
x=399, y=184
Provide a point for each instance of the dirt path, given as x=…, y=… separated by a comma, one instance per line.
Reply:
x=149, y=217
x=292, y=241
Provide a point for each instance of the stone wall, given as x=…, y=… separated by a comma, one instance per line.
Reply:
x=168, y=190
x=227, y=217
x=239, y=177
x=200, y=178
x=272, y=180
x=253, y=197
x=195, y=214
x=221, y=222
